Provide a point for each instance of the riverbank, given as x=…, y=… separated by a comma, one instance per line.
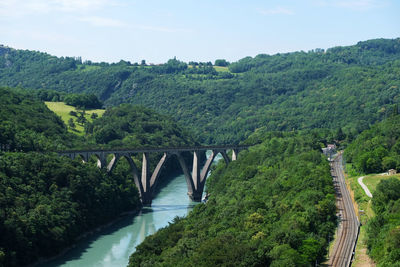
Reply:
x=113, y=245
x=87, y=234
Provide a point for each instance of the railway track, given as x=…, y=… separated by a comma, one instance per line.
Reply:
x=348, y=223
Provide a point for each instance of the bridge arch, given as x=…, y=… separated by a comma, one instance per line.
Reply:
x=82, y=156
x=96, y=158
x=146, y=181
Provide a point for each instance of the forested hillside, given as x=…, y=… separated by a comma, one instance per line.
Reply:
x=274, y=206
x=47, y=202
x=377, y=149
x=28, y=125
x=349, y=87
x=384, y=228
x=128, y=126
x=136, y=126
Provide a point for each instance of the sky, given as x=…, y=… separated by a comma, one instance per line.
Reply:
x=191, y=30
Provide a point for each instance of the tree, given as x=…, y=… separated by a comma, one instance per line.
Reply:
x=81, y=118
x=221, y=62
x=395, y=110
x=340, y=135
x=94, y=115
x=71, y=123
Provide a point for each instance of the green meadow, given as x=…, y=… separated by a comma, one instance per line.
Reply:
x=221, y=69
x=371, y=181
x=63, y=110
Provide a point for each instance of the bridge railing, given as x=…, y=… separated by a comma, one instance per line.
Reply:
x=159, y=149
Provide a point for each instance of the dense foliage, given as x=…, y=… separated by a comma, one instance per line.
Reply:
x=128, y=126
x=135, y=126
x=377, y=149
x=83, y=101
x=28, y=125
x=349, y=87
x=384, y=228
x=274, y=206
x=46, y=201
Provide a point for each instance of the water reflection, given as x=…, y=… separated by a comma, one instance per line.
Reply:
x=113, y=245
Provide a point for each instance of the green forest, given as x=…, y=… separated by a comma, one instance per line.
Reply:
x=384, y=228
x=350, y=87
x=28, y=125
x=136, y=126
x=274, y=206
x=48, y=202
x=377, y=150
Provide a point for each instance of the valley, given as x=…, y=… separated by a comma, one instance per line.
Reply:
x=274, y=204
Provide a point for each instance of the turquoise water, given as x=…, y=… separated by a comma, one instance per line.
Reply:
x=114, y=245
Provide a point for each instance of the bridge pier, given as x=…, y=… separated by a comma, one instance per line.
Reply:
x=146, y=181
x=197, y=178
x=234, y=154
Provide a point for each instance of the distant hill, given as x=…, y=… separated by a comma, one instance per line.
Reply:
x=28, y=125
x=349, y=87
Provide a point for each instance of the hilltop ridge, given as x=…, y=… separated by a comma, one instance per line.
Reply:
x=349, y=87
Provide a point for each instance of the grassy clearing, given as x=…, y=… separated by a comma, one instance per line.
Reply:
x=85, y=68
x=221, y=69
x=371, y=181
x=63, y=110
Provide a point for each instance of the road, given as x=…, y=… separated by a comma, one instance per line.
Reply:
x=366, y=190
x=348, y=222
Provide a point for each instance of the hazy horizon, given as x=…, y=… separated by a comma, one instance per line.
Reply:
x=111, y=30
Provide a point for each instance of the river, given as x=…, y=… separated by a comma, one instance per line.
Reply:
x=113, y=245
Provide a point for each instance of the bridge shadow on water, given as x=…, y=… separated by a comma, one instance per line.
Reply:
x=119, y=239
x=162, y=208
x=113, y=244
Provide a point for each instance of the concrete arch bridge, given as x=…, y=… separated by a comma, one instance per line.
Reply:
x=146, y=180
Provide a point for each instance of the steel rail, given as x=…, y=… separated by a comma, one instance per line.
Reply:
x=349, y=225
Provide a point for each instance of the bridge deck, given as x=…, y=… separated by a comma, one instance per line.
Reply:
x=158, y=149
x=145, y=180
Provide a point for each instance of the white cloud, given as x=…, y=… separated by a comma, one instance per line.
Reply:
x=276, y=11
x=103, y=22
